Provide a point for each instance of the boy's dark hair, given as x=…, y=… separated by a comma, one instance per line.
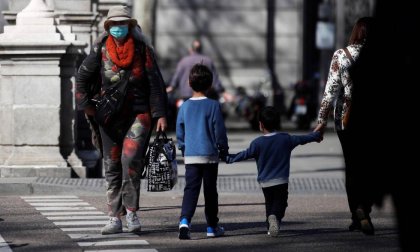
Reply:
x=200, y=78
x=270, y=118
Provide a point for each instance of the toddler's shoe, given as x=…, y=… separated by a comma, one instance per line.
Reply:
x=113, y=226
x=215, y=231
x=273, y=226
x=184, y=229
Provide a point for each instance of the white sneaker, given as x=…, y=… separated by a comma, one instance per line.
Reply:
x=273, y=225
x=114, y=226
x=133, y=222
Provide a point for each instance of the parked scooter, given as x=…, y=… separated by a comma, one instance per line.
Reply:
x=248, y=106
x=303, y=106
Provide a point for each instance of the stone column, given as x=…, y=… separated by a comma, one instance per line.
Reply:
x=81, y=15
x=36, y=110
x=144, y=12
x=83, y=24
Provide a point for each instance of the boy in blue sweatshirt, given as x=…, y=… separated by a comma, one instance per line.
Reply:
x=272, y=153
x=201, y=135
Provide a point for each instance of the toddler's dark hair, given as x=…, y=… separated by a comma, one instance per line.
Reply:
x=200, y=78
x=270, y=118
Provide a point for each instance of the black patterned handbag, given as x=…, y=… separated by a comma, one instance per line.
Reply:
x=111, y=102
x=161, y=166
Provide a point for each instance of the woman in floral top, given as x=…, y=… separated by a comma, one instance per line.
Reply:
x=121, y=51
x=338, y=94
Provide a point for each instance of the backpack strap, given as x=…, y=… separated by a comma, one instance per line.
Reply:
x=348, y=55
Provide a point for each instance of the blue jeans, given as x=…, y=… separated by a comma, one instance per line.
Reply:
x=194, y=174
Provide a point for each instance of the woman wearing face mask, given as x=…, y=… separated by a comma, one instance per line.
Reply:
x=122, y=55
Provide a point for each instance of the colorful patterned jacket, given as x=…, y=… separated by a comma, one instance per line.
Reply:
x=338, y=89
x=146, y=89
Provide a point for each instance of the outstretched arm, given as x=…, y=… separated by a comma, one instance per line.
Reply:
x=320, y=128
x=304, y=139
x=243, y=155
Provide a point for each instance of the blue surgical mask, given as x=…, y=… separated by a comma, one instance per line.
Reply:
x=119, y=31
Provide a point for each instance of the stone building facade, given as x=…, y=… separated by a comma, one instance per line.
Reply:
x=250, y=41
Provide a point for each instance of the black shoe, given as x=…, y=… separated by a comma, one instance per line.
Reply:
x=367, y=227
x=184, y=229
x=355, y=225
x=184, y=233
x=365, y=222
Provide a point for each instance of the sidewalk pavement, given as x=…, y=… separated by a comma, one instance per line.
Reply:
x=315, y=168
x=226, y=184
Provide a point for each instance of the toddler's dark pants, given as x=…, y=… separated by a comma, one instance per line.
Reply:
x=276, y=200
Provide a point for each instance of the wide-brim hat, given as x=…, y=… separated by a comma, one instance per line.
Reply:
x=119, y=13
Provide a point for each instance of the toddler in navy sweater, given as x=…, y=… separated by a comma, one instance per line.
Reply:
x=272, y=153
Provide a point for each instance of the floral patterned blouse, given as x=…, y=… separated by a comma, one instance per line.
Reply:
x=338, y=89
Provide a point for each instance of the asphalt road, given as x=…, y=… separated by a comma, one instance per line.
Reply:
x=312, y=223
x=316, y=219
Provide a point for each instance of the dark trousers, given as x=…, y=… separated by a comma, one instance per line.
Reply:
x=357, y=178
x=276, y=200
x=194, y=174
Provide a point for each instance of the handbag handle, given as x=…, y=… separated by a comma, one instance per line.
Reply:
x=161, y=134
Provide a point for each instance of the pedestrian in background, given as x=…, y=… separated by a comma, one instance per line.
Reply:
x=123, y=53
x=272, y=153
x=339, y=89
x=180, y=80
x=202, y=139
x=179, y=89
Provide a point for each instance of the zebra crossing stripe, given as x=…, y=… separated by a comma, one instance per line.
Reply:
x=122, y=250
x=54, y=200
x=94, y=217
x=72, y=213
x=113, y=243
x=80, y=229
x=64, y=208
x=79, y=223
x=58, y=204
x=50, y=197
x=4, y=246
x=100, y=236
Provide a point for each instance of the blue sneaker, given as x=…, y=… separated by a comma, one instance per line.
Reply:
x=184, y=229
x=215, y=231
